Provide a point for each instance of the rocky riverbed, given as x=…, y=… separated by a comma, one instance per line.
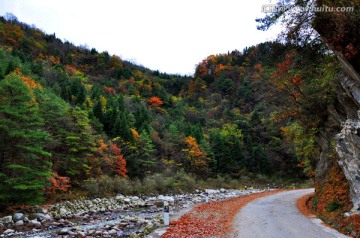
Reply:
x=119, y=216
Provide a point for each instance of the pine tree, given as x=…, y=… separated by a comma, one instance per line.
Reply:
x=121, y=127
x=80, y=143
x=24, y=168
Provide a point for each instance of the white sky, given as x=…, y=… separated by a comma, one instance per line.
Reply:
x=169, y=35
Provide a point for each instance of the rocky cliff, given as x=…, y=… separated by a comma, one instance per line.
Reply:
x=340, y=143
x=347, y=141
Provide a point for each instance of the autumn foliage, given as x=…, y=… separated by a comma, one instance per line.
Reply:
x=58, y=183
x=155, y=102
x=198, y=159
x=119, y=165
x=332, y=200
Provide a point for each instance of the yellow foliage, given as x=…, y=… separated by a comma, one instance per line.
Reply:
x=135, y=134
x=28, y=81
x=103, y=102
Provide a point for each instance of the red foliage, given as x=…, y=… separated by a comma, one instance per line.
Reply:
x=109, y=90
x=335, y=188
x=155, y=102
x=119, y=165
x=212, y=219
x=58, y=183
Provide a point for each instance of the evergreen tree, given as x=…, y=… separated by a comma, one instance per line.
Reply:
x=121, y=127
x=1, y=73
x=10, y=67
x=80, y=144
x=24, y=167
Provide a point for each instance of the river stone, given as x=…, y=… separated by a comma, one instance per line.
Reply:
x=127, y=200
x=8, y=231
x=35, y=223
x=6, y=219
x=18, y=216
x=38, y=216
x=19, y=223
x=47, y=217
x=63, y=231
x=62, y=211
x=81, y=234
x=42, y=210
x=119, y=197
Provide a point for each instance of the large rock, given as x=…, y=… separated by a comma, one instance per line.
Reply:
x=343, y=127
x=348, y=148
x=6, y=219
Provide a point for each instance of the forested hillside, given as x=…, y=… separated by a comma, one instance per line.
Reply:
x=69, y=114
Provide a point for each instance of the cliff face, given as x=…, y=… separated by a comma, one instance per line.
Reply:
x=340, y=141
x=347, y=142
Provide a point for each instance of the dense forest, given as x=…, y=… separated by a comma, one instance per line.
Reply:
x=70, y=114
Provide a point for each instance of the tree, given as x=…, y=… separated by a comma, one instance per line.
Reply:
x=198, y=161
x=119, y=164
x=155, y=102
x=24, y=165
x=121, y=127
x=80, y=144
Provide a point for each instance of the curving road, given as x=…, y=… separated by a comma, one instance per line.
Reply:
x=277, y=216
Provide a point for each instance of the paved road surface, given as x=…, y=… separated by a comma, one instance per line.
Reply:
x=277, y=216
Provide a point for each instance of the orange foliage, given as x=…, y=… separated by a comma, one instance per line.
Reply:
x=54, y=60
x=58, y=183
x=335, y=188
x=119, y=165
x=41, y=56
x=202, y=70
x=28, y=81
x=13, y=34
x=135, y=134
x=198, y=159
x=109, y=90
x=70, y=69
x=218, y=68
x=155, y=102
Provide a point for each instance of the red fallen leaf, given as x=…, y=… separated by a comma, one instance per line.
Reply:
x=211, y=219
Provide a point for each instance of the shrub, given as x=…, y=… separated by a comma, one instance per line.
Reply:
x=333, y=206
x=92, y=186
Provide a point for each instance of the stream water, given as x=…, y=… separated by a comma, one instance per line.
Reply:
x=100, y=222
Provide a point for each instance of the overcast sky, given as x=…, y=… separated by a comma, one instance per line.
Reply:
x=169, y=35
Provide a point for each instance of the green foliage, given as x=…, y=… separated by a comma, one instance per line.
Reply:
x=23, y=161
x=332, y=206
x=80, y=145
